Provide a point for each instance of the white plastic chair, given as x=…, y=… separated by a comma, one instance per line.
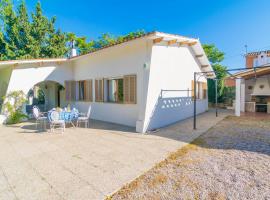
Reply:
x=84, y=119
x=39, y=116
x=54, y=118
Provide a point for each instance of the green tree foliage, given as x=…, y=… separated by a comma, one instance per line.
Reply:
x=80, y=43
x=215, y=57
x=105, y=39
x=23, y=37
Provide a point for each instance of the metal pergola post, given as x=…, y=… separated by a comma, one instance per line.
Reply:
x=216, y=97
x=194, y=103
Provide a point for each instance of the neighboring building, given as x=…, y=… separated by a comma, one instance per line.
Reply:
x=135, y=83
x=255, y=59
x=253, y=84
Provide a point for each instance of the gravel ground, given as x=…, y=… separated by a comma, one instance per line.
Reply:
x=229, y=161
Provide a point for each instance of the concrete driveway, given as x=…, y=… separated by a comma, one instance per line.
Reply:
x=84, y=163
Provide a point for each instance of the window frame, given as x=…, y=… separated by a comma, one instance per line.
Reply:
x=108, y=89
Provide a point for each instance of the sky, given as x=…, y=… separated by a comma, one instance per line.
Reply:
x=229, y=24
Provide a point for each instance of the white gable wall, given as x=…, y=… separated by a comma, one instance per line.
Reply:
x=172, y=68
x=125, y=59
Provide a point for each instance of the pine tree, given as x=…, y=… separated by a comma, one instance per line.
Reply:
x=25, y=39
x=22, y=37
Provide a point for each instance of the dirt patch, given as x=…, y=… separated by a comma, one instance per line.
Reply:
x=230, y=161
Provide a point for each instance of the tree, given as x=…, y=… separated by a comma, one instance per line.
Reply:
x=80, y=43
x=22, y=37
x=215, y=57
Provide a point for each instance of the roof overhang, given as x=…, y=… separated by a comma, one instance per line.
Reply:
x=8, y=63
x=253, y=73
x=192, y=43
x=170, y=39
x=156, y=37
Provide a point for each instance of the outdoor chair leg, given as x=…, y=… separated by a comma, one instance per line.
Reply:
x=64, y=127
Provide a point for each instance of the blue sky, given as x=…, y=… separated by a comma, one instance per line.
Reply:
x=229, y=24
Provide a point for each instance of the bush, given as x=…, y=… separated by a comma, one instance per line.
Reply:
x=13, y=107
x=16, y=117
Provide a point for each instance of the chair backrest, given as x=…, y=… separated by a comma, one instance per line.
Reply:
x=54, y=115
x=36, y=112
x=89, y=112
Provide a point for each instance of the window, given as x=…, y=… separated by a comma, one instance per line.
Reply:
x=201, y=90
x=99, y=90
x=130, y=89
x=79, y=90
x=115, y=90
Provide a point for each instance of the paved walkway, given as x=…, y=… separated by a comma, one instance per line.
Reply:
x=84, y=163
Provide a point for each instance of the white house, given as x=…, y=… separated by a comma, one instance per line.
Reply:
x=252, y=84
x=145, y=82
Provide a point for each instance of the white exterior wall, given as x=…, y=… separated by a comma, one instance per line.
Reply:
x=238, y=97
x=5, y=74
x=24, y=77
x=157, y=68
x=124, y=59
x=172, y=68
x=242, y=108
x=248, y=92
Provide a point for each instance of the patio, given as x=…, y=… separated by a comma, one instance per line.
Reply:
x=84, y=163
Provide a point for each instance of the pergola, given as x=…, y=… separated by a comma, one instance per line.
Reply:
x=242, y=73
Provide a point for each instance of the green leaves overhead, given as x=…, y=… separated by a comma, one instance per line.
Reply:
x=23, y=37
x=215, y=56
x=105, y=39
x=213, y=53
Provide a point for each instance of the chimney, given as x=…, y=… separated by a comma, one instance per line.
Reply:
x=73, y=52
x=249, y=61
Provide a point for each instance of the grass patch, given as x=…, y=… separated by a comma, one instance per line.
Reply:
x=158, y=179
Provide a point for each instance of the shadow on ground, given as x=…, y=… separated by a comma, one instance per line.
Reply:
x=244, y=133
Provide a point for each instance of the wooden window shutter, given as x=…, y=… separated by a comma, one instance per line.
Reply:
x=68, y=90
x=101, y=87
x=99, y=90
x=88, y=90
x=96, y=90
x=192, y=89
x=199, y=90
x=133, y=89
x=130, y=89
x=73, y=91
x=204, y=90
x=126, y=89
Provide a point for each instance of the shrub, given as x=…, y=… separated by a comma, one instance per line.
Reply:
x=13, y=107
